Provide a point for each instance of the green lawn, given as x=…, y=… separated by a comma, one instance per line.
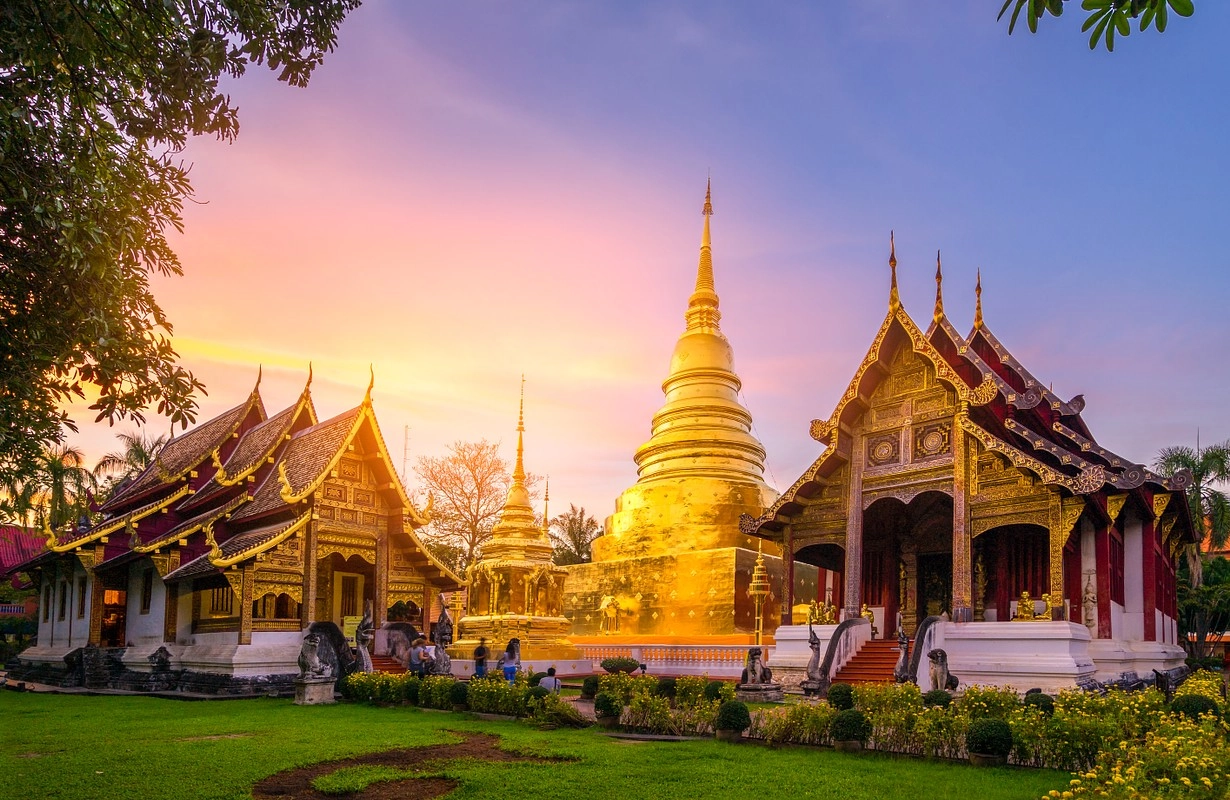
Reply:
x=104, y=748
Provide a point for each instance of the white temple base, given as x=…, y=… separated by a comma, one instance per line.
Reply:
x=1022, y=655
x=1113, y=657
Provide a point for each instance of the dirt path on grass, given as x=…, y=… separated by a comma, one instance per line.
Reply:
x=296, y=784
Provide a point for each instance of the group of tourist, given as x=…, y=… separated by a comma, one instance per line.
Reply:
x=509, y=662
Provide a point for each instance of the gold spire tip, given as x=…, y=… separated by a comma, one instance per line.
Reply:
x=521, y=410
x=708, y=209
x=894, y=298
x=939, y=288
x=978, y=302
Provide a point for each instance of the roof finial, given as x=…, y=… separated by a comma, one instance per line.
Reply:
x=367, y=397
x=519, y=468
x=546, y=498
x=703, y=304
x=978, y=302
x=939, y=289
x=260, y=372
x=894, y=299
x=309, y=382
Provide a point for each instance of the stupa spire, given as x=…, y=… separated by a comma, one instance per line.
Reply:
x=519, y=469
x=546, y=500
x=978, y=302
x=894, y=299
x=939, y=289
x=703, y=304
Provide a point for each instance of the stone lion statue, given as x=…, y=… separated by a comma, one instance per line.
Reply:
x=941, y=678
x=310, y=665
x=756, y=672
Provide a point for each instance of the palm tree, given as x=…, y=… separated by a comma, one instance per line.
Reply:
x=572, y=533
x=120, y=466
x=59, y=490
x=1210, y=507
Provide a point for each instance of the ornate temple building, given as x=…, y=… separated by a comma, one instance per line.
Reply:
x=672, y=563
x=208, y=566
x=516, y=590
x=953, y=483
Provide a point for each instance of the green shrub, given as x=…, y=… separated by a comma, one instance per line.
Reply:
x=652, y=714
x=937, y=698
x=589, y=687
x=493, y=695
x=536, y=677
x=1204, y=683
x=436, y=692
x=620, y=664
x=552, y=710
x=1043, y=702
x=989, y=736
x=625, y=686
x=798, y=723
x=459, y=693
x=733, y=716
x=1193, y=706
x=607, y=705
x=988, y=701
x=538, y=692
x=713, y=690
x=667, y=687
x=849, y=725
x=841, y=696
x=690, y=690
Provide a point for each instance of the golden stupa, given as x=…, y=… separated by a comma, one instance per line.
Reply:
x=515, y=589
x=671, y=563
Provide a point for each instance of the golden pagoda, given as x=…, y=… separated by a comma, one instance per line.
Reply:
x=672, y=561
x=515, y=589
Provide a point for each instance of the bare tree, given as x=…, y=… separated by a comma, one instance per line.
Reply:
x=572, y=533
x=470, y=485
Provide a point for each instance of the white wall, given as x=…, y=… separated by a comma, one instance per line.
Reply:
x=73, y=631
x=1133, y=579
x=145, y=628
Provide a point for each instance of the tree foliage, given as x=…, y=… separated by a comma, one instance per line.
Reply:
x=59, y=490
x=118, y=467
x=1105, y=19
x=1209, y=506
x=572, y=533
x=97, y=101
x=1205, y=608
x=470, y=485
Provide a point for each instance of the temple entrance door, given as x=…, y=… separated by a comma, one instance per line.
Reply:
x=830, y=583
x=350, y=584
x=114, y=617
x=934, y=585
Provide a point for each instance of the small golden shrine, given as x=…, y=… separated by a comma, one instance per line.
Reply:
x=515, y=589
x=672, y=563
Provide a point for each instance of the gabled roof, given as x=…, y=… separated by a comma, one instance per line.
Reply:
x=239, y=547
x=185, y=452
x=17, y=546
x=115, y=524
x=1010, y=412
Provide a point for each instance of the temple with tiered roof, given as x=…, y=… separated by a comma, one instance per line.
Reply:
x=953, y=484
x=210, y=564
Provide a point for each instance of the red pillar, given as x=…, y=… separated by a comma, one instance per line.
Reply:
x=1101, y=551
x=1148, y=574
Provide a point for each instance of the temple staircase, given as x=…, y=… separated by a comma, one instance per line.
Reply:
x=873, y=663
x=393, y=666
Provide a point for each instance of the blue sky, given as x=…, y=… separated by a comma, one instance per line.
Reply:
x=469, y=191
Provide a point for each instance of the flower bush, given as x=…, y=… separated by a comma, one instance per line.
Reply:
x=436, y=692
x=690, y=689
x=1180, y=758
x=607, y=705
x=1194, y=706
x=988, y=701
x=493, y=695
x=380, y=687
x=890, y=709
x=625, y=686
x=1043, y=702
x=939, y=732
x=552, y=710
x=937, y=697
x=800, y=723
x=1205, y=684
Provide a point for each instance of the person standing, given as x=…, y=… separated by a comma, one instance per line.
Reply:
x=510, y=662
x=418, y=657
x=480, y=658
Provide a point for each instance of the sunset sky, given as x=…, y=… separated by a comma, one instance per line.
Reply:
x=471, y=191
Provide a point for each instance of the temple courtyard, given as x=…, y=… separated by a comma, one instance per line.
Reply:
x=108, y=748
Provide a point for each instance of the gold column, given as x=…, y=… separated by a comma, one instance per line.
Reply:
x=854, y=531
x=96, y=597
x=1064, y=513
x=962, y=592
x=170, y=620
x=307, y=610
x=245, y=604
x=380, y=592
